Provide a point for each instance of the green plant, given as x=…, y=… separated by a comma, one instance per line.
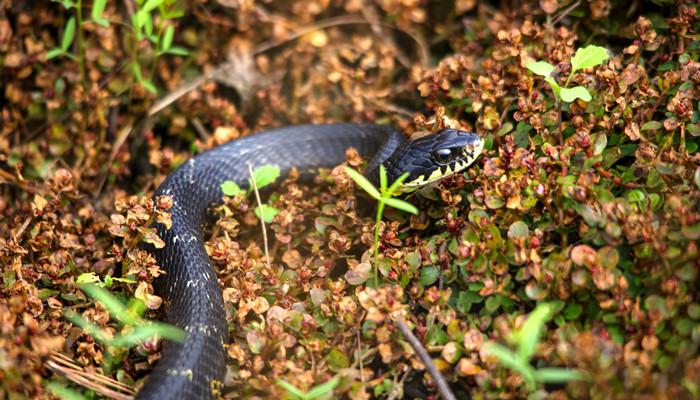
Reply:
x=384, y=196
x=525, y=340
x=585, y=57
x=317, y=392
x=159, y=33
x=93, y=278
x=263, y=176
x=134, y=328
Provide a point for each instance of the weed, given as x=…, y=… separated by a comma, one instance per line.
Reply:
x=586, y=57
x=264, y=176
x=134, y=328
x=526, y=340
x=384, y=196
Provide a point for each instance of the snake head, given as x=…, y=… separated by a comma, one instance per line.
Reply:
x=433, y=157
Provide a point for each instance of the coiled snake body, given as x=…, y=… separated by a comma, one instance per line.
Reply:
x=193, y=299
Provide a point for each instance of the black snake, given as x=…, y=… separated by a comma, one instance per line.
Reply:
x=193, y=299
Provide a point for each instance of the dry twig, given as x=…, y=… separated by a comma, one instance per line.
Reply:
x=262, y=215
x=442, y=386
x=101, y=384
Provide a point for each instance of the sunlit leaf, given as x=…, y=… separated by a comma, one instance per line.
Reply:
x=230, y=188
x=363, y=182
x=167, y=38
x=541, y=68
x=98, y=8
x=401, y=205
x=571, y=94
x=265, y=175
x=178, y=51
x=588, y=56
x=53, y=53
x=68, y=34
x=269, y=212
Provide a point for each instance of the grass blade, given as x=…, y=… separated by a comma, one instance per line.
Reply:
x=364, y=183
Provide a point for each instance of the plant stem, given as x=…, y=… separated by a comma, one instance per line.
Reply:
x=380, y=212
x=81, y=46
x=262, y=214
x=442, y=386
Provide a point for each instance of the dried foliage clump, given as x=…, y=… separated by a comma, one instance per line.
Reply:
x=592, y=207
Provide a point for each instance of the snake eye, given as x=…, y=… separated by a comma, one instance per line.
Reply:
x=443, y=156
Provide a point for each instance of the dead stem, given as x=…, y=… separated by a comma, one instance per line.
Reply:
x=442, y=386
x=262, y=215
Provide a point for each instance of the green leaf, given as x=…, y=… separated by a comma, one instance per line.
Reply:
x=291, y=389
x=88, y=277
x=364, y=183
x=68, y=34
x=148, y=85
x=230, y=188
x=557, y=375
x=529, y=335
x=178, y=51
x=269, y=212
x=652, y=126
x=697, y=177
x=518, y=229
x=323, y=389
x=401, y=205
x=588, y=57
x=265, y=175
x=98, y=8
x=428, y=275
x=508, y=359
x=53, y=53
x=167, y=38
x=151, y=5
x=571, y=94
x=600, y=143
x=141, y=18
x=112, y=304
x=541, y=68
x=395, y=185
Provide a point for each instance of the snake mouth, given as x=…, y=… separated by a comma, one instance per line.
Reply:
x=452, y=152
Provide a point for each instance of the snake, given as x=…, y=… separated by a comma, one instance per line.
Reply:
x=192, y=295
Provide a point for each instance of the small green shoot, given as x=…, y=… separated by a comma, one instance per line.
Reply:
x=526, y=340
x=144, y=26
x=586, y=57
x=321, y=391
x=66, y=41
x=136, y=329
x=93, y=278
x=384, y=196
x=264, y=176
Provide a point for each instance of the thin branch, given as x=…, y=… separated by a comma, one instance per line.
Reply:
x=442, y=386
x=262, y=215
